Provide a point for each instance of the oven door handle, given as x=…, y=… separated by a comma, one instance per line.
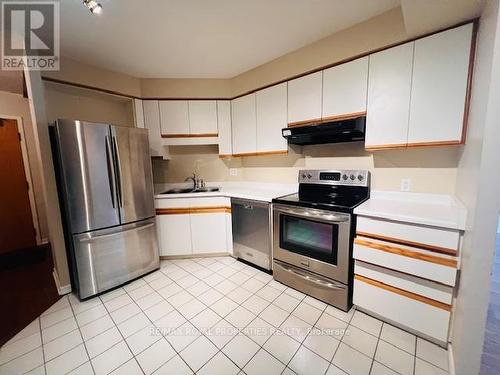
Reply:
x=313, y=280
x=314, y=215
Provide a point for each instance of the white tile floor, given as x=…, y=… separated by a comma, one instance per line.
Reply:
x=213, y=316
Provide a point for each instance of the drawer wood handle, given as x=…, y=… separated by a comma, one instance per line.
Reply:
x=193, y=210
x=407, y=253
x=436, y=249
x=404, y=293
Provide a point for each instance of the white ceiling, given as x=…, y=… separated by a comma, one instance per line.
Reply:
x=202, y=38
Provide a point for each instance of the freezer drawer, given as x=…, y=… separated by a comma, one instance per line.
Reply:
x=107, y=258
x=252, y=231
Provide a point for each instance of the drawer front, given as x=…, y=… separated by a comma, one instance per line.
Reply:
x=402, y=308
x=172, y=203
x=209, y=202
x=425, y=288
x=430, y=238
x=414, y=261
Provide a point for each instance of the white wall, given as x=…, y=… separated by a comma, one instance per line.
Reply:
x=478, y=181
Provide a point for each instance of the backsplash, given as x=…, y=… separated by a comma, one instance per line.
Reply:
x=430, y=170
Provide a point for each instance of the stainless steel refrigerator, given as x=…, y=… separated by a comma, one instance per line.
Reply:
x=106, y=192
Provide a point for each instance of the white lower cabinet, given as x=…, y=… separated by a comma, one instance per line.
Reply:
x=208, y=232
x=174, y=234
x=405, y=274
x=191, y=226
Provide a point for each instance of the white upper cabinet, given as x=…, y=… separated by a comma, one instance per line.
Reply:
x=304, y=98
x=138, y=113
x=439, y=86
x=174, y=117
x=271, y=105
x=344, y=89
x=202, y=117
x=244, y=124
x=152, y=123
x=224, y=125
x=389, y=88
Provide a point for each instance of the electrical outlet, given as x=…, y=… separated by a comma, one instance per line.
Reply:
x=405, y=184
x=233, y=171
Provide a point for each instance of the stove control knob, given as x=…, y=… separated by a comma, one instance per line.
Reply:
x=309, y=175
x=353, y=177
x=304, y=175
x=345, y=177
x=360, y=177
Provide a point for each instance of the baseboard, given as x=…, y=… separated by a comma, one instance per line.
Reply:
x=191, y=256
x=61, y=289
x=451, y=362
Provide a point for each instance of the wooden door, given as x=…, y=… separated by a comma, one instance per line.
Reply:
x=271, y=118
x=224, y=127
x=304, y=99
x=389, y=88
x=244, y=123
x=344, y=89
x=16, y=221
x=202, y=118
x=439, y=87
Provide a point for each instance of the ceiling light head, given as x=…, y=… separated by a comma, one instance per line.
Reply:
x=93, y=6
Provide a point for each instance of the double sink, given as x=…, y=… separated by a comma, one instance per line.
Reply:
x=197, y=190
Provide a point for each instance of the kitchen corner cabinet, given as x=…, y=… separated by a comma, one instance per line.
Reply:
x=202, y=118
x=244, y=122
x=224, y=127
x=190, y=226
x=389, y=88
x=305, y=98
x=271, y=114
x=344, y=90
x=439, y=87
x=152, y=123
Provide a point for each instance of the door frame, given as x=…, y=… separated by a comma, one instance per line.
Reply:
x=27, y=172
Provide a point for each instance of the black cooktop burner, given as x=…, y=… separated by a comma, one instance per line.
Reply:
x=339, y=198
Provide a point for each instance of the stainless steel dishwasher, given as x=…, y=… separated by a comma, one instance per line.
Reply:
x=252, y=231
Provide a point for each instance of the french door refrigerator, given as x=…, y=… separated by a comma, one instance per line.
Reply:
x=106, y=192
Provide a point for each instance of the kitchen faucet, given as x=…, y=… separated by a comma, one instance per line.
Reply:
x=193, y=178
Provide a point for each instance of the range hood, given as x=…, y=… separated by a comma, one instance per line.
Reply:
x=348, y=130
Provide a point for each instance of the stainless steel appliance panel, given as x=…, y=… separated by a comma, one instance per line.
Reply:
x=88, y=175
x=338, y=271
x=110, y=257
x=322, y=288
x=134, y=173
x=251, y=231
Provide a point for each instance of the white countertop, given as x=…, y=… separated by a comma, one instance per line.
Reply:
x=436, y=210
x=260, y=191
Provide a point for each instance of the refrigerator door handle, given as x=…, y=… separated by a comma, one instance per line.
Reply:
x=118, y=172
x=111, y=172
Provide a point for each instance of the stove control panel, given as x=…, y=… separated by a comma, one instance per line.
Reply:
x=335, y=177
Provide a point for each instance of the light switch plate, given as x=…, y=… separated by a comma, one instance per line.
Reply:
x=233, y=171
x=405, y=184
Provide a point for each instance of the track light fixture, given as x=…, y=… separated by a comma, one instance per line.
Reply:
x=93, y=6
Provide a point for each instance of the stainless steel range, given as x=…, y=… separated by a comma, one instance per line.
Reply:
x=314, y=231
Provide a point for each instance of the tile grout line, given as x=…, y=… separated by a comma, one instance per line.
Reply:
x=123, y=337
x=83, y=341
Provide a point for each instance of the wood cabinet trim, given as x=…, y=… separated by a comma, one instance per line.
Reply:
x=404, y=293
x=434, y=144
x=407, y=253
x=346, y=116
x=173, y=211
x=436, y=249
x=201, y=135
x=262, y=153
x=193, y=210
x=393, y=146
x=310, y=122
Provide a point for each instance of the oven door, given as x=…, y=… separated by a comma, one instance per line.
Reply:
x=316, y=240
